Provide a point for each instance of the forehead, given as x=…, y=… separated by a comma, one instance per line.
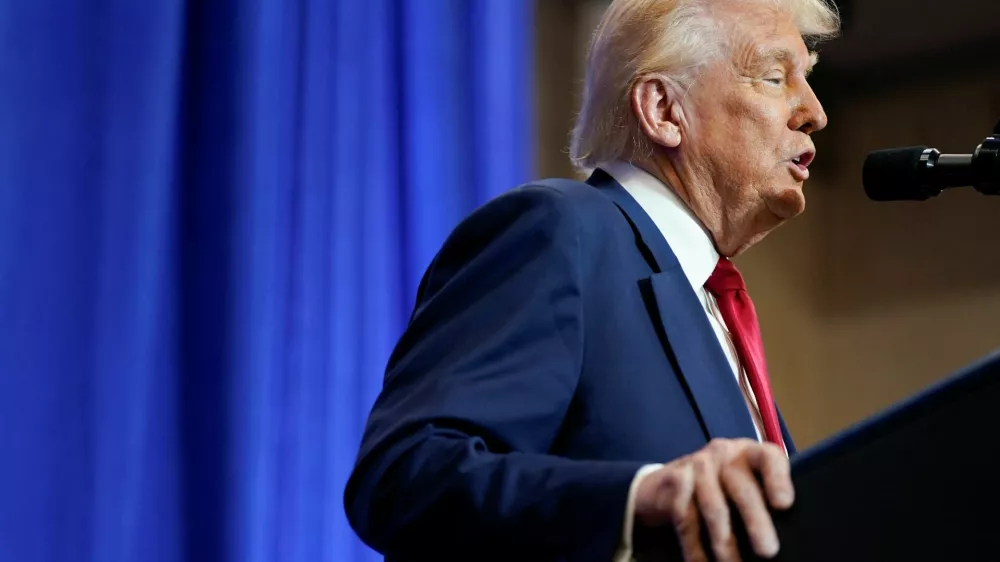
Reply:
x=761, y=33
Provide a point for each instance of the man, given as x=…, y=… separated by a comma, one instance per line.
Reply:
x=583, y=367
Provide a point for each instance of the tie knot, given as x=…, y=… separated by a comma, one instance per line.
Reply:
x=725, y=278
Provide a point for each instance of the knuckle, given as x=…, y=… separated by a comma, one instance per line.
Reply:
x=672, y=478
x=702, y=463
x=719, y=445
x=732, y=471
x=674, y=496
x=720, y=442
x=685, y=460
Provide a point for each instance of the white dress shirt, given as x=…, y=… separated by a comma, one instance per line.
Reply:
x=696, y=252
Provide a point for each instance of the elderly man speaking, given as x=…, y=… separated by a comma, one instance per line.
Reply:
x=583, y=369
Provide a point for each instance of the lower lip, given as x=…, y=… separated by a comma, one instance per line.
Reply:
x=801, y=173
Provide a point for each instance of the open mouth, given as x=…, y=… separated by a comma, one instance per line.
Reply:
x=803, y=160
x=800, y=165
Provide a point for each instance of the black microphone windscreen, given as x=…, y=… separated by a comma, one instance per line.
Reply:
x=893, y=174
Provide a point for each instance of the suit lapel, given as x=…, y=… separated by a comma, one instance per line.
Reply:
x=682, y=325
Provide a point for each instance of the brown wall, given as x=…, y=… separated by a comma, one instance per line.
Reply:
x=862, y=304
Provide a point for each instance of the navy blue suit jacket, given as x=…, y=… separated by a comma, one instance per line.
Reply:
x=556, y=346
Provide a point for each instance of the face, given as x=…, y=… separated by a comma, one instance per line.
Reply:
x=744, y=130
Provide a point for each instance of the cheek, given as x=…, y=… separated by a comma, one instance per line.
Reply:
x=764, y=128
x=753, y=128
x=750, y=146
x=742, y=137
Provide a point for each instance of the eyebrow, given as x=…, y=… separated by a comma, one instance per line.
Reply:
x=784, y=56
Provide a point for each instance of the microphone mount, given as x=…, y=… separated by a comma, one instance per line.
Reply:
x=980, y=170
x=986, y=160
x=919, y=173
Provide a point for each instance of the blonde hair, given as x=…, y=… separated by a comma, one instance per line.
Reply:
x=676, y=38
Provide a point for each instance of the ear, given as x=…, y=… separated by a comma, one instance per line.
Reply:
x=657, y=108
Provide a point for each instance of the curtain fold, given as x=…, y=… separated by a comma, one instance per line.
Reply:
x=213, y=219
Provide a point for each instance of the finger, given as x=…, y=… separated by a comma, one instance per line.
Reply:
x=680, y=487
x=714, y=511
x=689, y=535
x=741, y=487
x=772, y=463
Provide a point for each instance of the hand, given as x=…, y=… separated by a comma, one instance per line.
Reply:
x=696, y=487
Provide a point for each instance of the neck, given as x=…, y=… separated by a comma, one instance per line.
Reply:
x=703, y=202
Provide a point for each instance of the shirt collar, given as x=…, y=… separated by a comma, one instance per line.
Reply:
x=687, y=237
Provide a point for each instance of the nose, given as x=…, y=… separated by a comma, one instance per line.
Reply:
x=809, y=116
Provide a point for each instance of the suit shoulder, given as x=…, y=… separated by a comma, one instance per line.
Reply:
x=531, y=222
x=564, y=221
x=575, y=192
x=555, y=213
x=566, y=198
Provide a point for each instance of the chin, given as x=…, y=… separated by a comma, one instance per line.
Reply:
x=787, y=203
x=771, y=212
x=776, y=211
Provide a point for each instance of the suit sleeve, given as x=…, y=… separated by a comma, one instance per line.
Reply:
x=456, y=451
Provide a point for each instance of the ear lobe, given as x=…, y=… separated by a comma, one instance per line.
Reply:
x=657, y=111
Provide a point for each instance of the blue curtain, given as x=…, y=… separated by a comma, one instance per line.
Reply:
x=213, y=218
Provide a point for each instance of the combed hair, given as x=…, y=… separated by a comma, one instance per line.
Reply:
x=676, y=38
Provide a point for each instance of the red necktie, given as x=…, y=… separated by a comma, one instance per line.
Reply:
x=730, y=292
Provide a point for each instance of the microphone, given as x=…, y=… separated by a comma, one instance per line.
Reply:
x=917, y=173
